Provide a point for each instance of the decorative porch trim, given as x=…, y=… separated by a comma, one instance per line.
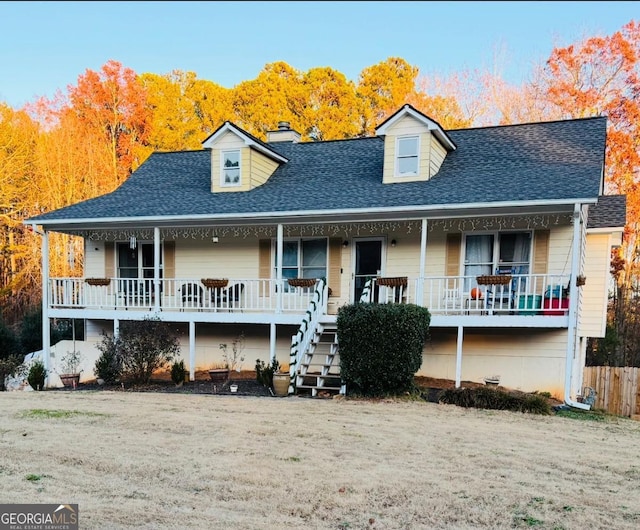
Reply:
x=332, y=229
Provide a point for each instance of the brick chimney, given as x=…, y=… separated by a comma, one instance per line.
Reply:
x=284, y=134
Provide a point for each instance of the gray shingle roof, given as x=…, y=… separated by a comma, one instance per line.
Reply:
x=609, y=212
x=541, y=161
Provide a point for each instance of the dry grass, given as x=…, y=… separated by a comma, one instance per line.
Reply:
x=199, y=461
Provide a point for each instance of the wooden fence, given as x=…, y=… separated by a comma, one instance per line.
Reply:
x=617, y=389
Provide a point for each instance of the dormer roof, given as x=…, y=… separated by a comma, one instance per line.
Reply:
x=433, y=126
x=247, y=138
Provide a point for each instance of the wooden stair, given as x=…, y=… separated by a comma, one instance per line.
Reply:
x=319, y=370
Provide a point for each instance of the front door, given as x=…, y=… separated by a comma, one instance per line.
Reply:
x=367, y=263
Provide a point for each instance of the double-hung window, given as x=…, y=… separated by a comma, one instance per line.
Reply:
x=407, y=158
x=496, y=253
x=230, y=175
x=303, y=258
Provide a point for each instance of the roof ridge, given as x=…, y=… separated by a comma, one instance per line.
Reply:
x=527, y=123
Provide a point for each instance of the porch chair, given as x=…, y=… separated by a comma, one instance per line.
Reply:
x=452, y=301
x=231, y=297
x=190, y=296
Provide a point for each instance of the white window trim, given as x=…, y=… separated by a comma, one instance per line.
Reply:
x=299, y=240
x=397, y=157
x=496, y=246
x=222, y=168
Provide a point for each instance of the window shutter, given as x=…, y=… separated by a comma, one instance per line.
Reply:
x=335, y=262
x=454, y=243
x=264, y=263
x=540, y=251
x=109, y=260
x=169, y=259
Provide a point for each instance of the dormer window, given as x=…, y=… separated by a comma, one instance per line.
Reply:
x=230, y=174
x=407, y=148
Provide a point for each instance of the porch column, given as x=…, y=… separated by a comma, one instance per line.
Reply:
x=459, y=355
x=279, y=250
x=156, y=269
x=116, y=327
x=272, y=342
x=192, y=350
x=573, y=300
x=423, y=261
x=46, y=327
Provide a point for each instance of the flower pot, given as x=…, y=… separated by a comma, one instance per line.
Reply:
x=233, y=388
x=70, y=380
x=219, y=375
x=281, y=384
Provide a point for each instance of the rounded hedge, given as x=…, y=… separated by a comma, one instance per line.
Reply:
x=381, y=346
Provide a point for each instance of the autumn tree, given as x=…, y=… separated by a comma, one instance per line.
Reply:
x=276, y=94
x=601, y=76
x=183, y=110
x=329, y=110
x=110, y=105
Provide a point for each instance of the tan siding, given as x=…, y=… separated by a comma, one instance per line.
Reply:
x=407, y=125
x=264, y=259
x=169, y=259
x=438, y=153
x=229, y=258
x=335, y=265
x=109, y=260
x=94, y=259
x=531, y=361
x=389, y=159
x=560, y=250
x=454, y=246
x=594, y=292
x=261, y=168
x=215, y=170
x=245, y=168
x=229, y=140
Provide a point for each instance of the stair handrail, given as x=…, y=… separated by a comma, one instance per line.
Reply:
x=365, y=296
x=302, y=339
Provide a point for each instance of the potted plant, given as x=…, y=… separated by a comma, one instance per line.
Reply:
x=178, y=372
x=234, y=388
x=70, y=366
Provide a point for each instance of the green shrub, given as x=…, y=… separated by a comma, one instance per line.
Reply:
x=141, y=348
x=381, y=346
x=489, y=398
x=178, y=372
x=264, y=372
x=37, y=375
x=108, y=365
x=9, y=360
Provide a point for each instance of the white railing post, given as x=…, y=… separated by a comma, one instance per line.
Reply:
x=302, y=339
x=423, y=261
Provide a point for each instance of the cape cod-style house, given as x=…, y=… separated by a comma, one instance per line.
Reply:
x=503, y=233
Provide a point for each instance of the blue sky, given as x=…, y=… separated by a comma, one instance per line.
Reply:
x=45, y=46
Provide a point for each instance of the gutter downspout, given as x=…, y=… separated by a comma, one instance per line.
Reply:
x=573, y=311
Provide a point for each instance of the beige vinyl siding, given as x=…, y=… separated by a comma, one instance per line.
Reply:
x=404, y=258
x=593, y=312
x=94, y=259
x=529, y=361
x=261, y=168
x=230, y=141
x=406, y=126
x=436, y=157
x=335, y=266
x=229, y=258
x=560, y=245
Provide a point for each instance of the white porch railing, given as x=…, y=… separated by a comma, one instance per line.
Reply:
x=525, y=294
x=301, y=341
x=528, y=294
x=179, y=295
